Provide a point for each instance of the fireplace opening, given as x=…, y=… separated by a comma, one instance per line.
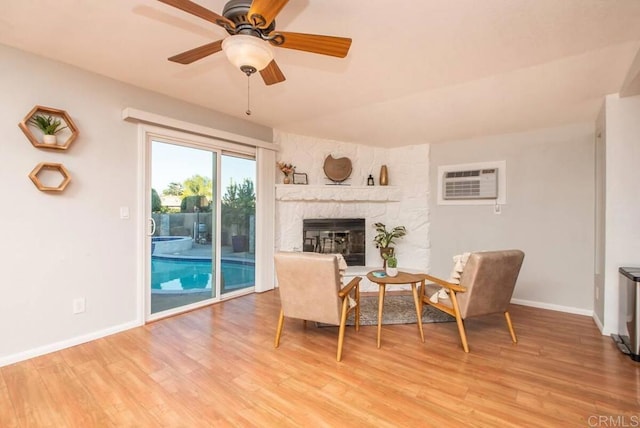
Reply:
x=336, y=235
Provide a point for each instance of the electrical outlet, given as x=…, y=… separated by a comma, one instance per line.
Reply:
x=78, y=305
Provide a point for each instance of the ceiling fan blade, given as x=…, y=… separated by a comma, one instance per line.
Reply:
x=262, y=12
x=324, y=45
x=198, y=53
x=271, y=74
x=199, y=11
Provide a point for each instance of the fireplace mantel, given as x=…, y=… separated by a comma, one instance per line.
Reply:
x=325, y=193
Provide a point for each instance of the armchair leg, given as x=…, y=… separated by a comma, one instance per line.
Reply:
x=343, y=324
x=510, y=325
x=418, y=304
x=421, y=295
x=459, y=321
x=279, y=329
x=463, y=334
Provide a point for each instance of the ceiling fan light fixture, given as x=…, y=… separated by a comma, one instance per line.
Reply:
x=247, y=52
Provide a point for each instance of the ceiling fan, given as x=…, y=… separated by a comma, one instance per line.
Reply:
x=251, y=26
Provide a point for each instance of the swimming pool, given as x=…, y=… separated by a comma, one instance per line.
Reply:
x=179, y=275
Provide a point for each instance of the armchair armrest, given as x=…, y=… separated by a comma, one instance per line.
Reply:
x=454, y=287
x=347, y=288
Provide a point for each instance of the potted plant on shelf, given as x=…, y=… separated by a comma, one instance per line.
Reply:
x=385, y=238
x=49, y=126
x=392, y=265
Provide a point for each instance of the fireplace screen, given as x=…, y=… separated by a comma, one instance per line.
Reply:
x=338, y=235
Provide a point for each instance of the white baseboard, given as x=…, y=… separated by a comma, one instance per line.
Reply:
x=550, y=306
x=53, y=347
x=603, y=330
x=598, y=323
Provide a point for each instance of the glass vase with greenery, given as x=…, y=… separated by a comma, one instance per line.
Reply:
x=391, y=264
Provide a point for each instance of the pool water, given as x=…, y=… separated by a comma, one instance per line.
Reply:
x=184, y=275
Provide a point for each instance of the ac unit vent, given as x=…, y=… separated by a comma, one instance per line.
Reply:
x=473, y=184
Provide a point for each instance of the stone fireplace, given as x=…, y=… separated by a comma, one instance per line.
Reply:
x=345, y=236
x=405, y=201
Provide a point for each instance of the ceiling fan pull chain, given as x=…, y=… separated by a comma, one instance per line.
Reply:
x=248, y=112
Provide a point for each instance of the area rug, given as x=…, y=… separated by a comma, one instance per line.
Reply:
x=398, y=309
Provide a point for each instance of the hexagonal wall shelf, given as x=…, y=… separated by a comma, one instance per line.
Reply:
x=44, y=167
x=71, y=135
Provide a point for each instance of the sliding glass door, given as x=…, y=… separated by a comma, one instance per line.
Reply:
x=202, y=217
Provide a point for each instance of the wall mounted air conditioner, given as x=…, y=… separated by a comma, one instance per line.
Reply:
x=470, y=184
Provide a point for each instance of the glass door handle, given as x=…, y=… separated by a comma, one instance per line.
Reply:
x=153, y=227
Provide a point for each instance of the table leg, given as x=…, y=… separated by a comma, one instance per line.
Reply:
x=380, y=306
x=416, y=300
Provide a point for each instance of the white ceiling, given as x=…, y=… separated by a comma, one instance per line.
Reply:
x=418, y=71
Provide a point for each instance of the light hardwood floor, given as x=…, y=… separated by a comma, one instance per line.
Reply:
x=217, y=367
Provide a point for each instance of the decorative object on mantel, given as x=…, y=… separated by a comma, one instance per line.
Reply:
x=49, y=121
x=385, y=238
x=300, y=178
x=392, y=265
x=370, y=180
x=287, y=169
x=45, y=167
x=384, y=176
x=337, y=170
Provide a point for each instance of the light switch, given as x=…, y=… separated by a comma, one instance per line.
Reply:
x=124, y=212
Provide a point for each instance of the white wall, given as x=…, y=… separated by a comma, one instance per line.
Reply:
x=622, y=116
x=56, y=247
x=408, y=171
x=549, y=212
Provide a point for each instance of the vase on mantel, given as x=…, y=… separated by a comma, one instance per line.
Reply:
x=286, y=180
x=384, y=176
